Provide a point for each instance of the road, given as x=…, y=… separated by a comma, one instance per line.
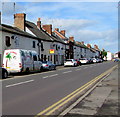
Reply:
x=31, y=94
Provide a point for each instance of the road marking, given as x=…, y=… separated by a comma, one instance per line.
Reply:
x=67, y=72
x=50, y=76
x=19, y=83
x=64, y=68
x=45, y=77
x=60, y=103
x=53, y=75
x=85, y=67
x=78, y=69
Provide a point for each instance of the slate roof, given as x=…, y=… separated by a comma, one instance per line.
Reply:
x=39, y=33
x=15, y=30
x=42, y=33
x=81, y=45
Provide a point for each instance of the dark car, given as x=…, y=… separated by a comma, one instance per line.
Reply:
x=48, y=65
x=4, y=72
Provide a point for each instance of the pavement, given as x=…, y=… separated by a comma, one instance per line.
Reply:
x=102, y=101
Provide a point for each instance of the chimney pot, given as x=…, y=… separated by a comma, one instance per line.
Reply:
x=71, y=39
x=39, y=23
x=88, y=45
x=38, y=19
x=62, y=32
x=57, y=29
x=82, y=42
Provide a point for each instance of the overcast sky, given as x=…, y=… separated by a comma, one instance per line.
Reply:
x=91, y=22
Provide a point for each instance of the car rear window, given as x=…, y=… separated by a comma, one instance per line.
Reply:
x=68, y=60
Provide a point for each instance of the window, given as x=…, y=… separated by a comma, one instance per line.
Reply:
x=33, y=44
x=7, y=40
x=42, y=49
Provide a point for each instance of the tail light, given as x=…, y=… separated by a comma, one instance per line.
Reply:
x=46, y=65
x=20, y=65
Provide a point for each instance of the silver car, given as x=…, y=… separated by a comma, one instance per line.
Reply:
x=48, y=65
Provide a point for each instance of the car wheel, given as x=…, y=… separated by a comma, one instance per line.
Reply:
x=54, y=67
x=50, y=68
x=5, y=74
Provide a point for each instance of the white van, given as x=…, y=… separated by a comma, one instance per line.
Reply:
x=19, y=60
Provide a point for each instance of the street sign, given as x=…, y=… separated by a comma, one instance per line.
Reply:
x=52, y=51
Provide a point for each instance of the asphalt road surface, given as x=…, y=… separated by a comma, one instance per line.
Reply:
x=31, y=94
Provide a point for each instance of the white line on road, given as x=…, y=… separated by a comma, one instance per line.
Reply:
x=53, y=75
x=85, y=67
x=64, y=68
x=67, y=72
x=45, y=77
x=78, y=69
x=19, y=83
x=50, y=76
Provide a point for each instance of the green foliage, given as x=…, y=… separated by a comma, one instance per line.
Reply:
x=104, y=53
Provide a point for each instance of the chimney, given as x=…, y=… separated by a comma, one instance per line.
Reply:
x=57, y=29
x=48, y=28
x=19, y=20
x=96, y=47
x=62, y=32
x=88, y=45
x=71, y=39
x=39, y=23
x=82, y=42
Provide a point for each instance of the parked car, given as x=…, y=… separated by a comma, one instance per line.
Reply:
x=116, y=60
x=90, y=60
x=4, y=72
x=19, y=60
x=70, y=62
x=78, y=62
x=84, y=60
x=95, y=60
x=48, y=65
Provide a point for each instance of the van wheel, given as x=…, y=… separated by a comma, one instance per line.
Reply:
x=27, y=70
x=5, y=74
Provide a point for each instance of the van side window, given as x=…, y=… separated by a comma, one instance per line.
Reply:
x=34, y=58
x=7, y=41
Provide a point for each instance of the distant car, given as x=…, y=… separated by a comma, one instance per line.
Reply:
x=95, y=60
x=116, y=60
x=84, y=60
x=70, y=62
x=48, y=65
x=90, y=60
x=78, y=62
x=4, y=72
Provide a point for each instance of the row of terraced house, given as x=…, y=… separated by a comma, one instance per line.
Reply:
x=51, y=45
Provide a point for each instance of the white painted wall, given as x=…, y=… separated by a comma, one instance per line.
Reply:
x=109, y=56
x=20, y=42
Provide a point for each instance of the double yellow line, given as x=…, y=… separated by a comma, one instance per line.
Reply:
x=57, y=105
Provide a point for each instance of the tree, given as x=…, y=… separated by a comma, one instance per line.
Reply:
x=104, y=54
